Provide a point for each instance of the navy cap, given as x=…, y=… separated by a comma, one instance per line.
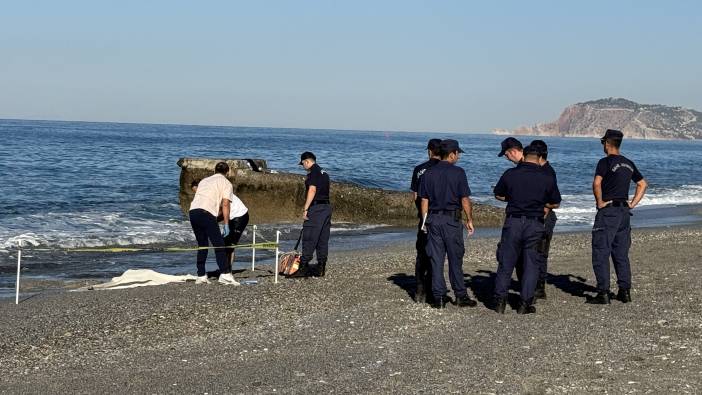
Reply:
x=434, y=144
x=307, y=155
x=612, y=134
x=540, y=146
x=530, y=150
x=450, y=145
x=509, y=142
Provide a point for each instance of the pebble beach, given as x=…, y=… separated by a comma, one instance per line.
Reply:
x=358, y=331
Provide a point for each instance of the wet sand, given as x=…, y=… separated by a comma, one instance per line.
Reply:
x=357, y=330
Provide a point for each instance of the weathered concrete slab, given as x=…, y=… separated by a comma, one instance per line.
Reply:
x=279, y=197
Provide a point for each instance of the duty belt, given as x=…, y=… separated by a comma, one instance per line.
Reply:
x=618, y=203
x=314, y=202
x=534, y=217
x=444, y=212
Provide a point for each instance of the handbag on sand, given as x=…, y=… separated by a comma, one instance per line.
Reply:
x=290, y=261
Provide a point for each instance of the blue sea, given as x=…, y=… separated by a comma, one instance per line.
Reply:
x=85, y=184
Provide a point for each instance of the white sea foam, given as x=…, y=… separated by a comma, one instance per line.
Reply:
x=97, y=229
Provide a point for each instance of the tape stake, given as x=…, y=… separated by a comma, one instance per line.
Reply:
x=19, y=264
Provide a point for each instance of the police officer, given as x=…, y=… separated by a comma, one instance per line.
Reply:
x=445, y=193
x=512, y=150
x=611, y=233
x=317, y=216
x=527, y=189
x=422, y=267
x=549, y=222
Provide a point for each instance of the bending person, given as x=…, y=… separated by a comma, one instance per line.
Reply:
x=238, y=220
x=211, y=193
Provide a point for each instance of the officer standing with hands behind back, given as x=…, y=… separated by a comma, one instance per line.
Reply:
x=317, y=214
x=445, y=196
x=527, y=189
x=611, y=232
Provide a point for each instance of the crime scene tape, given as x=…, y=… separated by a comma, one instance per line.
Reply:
x=258, y=246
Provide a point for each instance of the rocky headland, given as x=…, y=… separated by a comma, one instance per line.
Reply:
x=640, y=121
x=278, y=197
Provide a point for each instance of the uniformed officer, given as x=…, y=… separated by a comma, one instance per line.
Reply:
x=422, y=267
x=445, y=193
x=512, y=150
x=317, y=216
x=549, y=222
x=527, y=189
x=611, y=233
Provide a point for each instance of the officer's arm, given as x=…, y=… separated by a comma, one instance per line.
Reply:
x=639, y=194
x=310, y=197
x=468, y=209
x=597, y=191
x=552, y=206
x=425, y=207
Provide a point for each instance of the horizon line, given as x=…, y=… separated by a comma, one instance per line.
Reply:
x=249, y=126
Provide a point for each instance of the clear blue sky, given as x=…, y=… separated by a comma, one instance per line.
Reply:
x=377, y=65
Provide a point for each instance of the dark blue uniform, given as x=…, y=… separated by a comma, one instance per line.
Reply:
x=422, y=267
x=444, y=185
x=611, y=233
x=527, y=189
x=315, y=230
x=549, y=225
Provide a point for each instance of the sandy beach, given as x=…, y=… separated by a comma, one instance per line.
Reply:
x=357, y=330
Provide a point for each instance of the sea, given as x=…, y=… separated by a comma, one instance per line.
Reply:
x=66, y=185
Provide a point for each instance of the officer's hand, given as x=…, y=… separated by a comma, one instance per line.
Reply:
x=631, y=204
x=225, y=230
x=470, y=228
x=304, y=215
x=603, y=204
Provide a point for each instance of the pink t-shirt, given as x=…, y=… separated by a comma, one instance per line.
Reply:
x=210, y=192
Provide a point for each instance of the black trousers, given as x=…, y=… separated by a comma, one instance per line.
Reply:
x=205, y=228
x=446, y=242
x=315, y=234
x=520, y=237
x=611, y=237
x=422, y=265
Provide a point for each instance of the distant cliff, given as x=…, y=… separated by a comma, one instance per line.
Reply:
x=643, y=121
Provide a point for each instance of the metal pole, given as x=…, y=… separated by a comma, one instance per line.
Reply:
x=253, y=250
x=277, y=251
x=19, y=263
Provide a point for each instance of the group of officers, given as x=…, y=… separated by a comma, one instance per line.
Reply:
x=530, y=189
x=444, y=209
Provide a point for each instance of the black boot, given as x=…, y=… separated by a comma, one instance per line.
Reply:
x=624, y=295
x=500, y=304
x=526, y=307
x=465, y=301
x=318, y=270
x=419, y=295
x=440, y=303
x=302, y=271
x=540, y=292
x=602, y=297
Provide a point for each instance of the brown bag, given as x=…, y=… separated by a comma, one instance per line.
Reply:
x=290, y=261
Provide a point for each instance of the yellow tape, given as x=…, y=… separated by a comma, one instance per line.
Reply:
x=258, y=246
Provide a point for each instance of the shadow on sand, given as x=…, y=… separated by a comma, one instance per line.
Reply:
x=482, y=285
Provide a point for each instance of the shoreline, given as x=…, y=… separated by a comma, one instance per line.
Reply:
x=40, y=275
x=357, y=330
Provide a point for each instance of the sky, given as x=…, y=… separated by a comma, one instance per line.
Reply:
x=458, y=66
